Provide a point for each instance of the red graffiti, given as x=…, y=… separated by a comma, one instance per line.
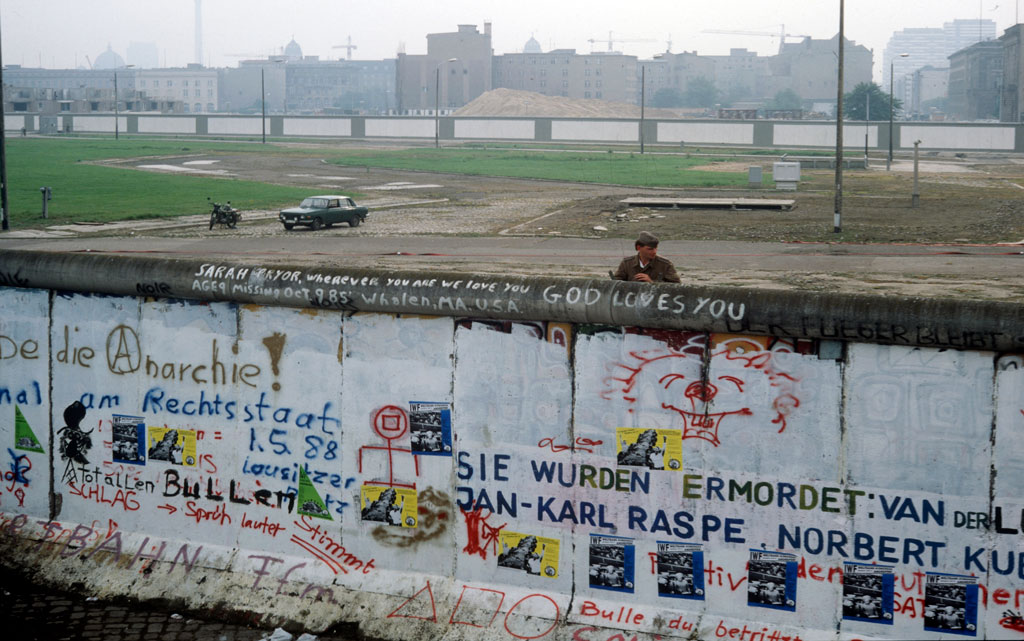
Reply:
x=391, y=423
x=416, y=597
x=480, y=534
x=1012, y=621
x=699, y=393
x=494, y=594
x=99, y=494
x=322, y=546
x=582, y=444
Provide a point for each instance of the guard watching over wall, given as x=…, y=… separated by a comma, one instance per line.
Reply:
x=646, y=266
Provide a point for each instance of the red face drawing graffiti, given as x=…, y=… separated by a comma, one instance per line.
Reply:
x=702, y=398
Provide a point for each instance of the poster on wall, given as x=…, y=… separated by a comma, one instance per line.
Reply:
x=951, y=603
x=309, y=500
x=612, y=563
x=771, y=580
x=128, y=444
x=395, y=506
x=172, y=446
x=868, y=593
x=651, y=448
x=532, y=554
x=24, y=438
x=430, y=428
x=680, y=570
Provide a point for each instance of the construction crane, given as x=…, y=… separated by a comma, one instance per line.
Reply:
x=349, y=46
x=781, y=34
x=611, y=41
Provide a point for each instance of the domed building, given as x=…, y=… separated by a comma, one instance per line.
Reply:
x=532, y=46
x=108, y=60
x=293, y=51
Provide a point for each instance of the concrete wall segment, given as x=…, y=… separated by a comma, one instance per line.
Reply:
x=555, y=466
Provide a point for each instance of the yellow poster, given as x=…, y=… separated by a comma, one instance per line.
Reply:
x=391, y=505
x=652, y=448
x=171, y=445
x=533, y=554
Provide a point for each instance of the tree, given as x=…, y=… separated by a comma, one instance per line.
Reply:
x=667, y=98
x=856, y=103
x=700, y=92
x=787, y=99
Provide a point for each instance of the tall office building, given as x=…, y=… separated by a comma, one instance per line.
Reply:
x=928, y=47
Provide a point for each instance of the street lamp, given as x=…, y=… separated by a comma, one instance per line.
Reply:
x=117, y=112
x=437, y=101
x=892, y=105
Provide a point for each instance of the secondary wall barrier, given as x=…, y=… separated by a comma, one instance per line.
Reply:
x=439, y=455
x=783, y=134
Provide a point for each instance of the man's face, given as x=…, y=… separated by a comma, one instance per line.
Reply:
x=647, y=253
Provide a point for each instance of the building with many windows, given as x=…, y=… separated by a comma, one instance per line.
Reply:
x=1012, y=99
x=563, y=72
x=976, y=81
x=195, y=86
x=915, y=48
x=456, y=69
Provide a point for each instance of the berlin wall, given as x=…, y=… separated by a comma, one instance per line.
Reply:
x=449, y=456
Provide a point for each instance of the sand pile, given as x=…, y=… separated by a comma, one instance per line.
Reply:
x=511, y=102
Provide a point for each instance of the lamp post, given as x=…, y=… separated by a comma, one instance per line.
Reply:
x=892, y=106
x=117, y=112
x=437, y=101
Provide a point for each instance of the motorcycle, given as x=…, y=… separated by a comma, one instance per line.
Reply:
x=224, y=215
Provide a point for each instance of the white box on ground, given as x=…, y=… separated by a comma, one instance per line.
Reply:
x=786, y=175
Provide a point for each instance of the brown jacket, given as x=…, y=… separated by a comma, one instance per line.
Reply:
x=661, y=270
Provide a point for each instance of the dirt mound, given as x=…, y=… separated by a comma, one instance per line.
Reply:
x=511, y=102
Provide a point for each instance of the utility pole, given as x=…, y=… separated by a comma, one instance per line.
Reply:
x=4, y=211
x=838, y=217
x=643, y=95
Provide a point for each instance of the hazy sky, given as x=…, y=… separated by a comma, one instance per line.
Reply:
x=61, y=33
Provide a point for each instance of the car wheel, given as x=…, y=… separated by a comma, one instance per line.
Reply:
x=288, y=226
x=213, y=219
x=316, y=224
x=354, y=222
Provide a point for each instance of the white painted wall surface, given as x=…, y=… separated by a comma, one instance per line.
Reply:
x=409, y=128
x=728, y=133
x=24, y=397
x=611, y=131
x=822, y=135
x=98, y=124
x=317, y=127
x=958, y=137
x=236, y=126
x=500, y=129
x=756, y=445
x=157, y=125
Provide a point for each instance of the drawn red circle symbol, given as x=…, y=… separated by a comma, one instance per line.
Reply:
x=391, y=422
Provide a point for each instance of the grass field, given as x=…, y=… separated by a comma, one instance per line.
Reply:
x=86, y=192
x=640, y=170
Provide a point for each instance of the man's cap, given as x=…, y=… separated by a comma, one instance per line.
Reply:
x=647, y=239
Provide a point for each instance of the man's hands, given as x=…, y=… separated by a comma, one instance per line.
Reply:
x=642, y=278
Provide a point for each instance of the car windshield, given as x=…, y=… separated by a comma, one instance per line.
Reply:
x=314, y=203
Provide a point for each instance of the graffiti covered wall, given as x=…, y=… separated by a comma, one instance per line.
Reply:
x=483, y=478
